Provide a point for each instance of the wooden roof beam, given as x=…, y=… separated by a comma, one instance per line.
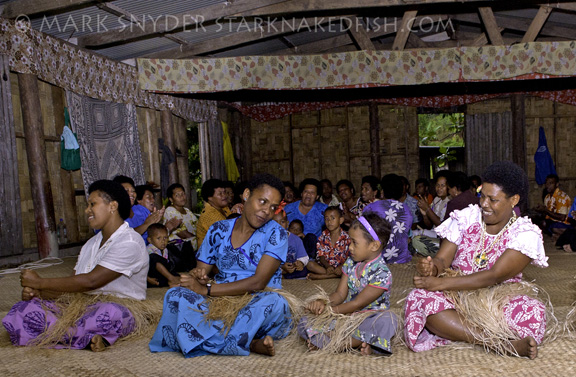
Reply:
x=358, y=34
x=294, y=6
x=482, y=39
x=405, y=30
x=562, y=6
x=194, y=49
x=172, y=24
x=491, y=25
x=333, y=43
x=30, y=7
x=537, y=24
x=521, y=24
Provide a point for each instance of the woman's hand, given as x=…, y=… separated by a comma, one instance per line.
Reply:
x=423, y=204
x=155, y=217
x=289, y=267
x=200, y=275
x=31, y=279
x=173, y=224
x=29, y=293
x=316, y=307
x=425, y=267
x=298, y=265
x=429, y=283
x=190, y=282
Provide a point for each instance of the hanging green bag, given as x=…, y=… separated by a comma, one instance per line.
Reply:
x=69, y=147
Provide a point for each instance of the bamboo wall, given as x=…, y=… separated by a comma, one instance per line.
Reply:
x=52, y=102
x=335, y=144
x=559, y=123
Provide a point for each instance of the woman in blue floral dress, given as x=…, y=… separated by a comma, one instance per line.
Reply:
x=248, y=252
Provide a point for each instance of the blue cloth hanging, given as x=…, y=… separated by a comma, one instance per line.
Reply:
x=544, y=164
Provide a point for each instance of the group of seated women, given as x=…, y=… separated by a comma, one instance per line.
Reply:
x=230, y=302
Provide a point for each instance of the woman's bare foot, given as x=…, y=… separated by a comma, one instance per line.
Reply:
x=526, y=347
x=98, y=344
x=264, y=346
x=365, y=349
x=567, y=248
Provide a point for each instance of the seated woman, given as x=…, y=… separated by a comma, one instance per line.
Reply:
x=425, y=241
x=369, y=192
x=398, y=215
x=489, y=247
x=141, y=216
x=182, y=239
x=248, y=252
x=112, y=263
x=215, y=207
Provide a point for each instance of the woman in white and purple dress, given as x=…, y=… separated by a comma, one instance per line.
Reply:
x=114, y=262
x=490, y=247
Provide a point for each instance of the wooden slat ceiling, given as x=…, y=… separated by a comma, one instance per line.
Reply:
x=127, y=29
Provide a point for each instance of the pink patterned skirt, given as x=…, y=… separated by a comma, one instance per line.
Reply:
x=525, y=315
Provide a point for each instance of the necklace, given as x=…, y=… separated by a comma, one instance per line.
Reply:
x=481, y=257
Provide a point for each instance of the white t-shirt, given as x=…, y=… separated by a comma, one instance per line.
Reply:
x=125, y=253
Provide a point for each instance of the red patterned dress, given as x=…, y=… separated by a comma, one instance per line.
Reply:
x=524, y=315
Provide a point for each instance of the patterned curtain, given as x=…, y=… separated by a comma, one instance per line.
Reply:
x=108, y=137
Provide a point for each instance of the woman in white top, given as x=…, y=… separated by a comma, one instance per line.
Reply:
x=112, y=263
x=425, y=241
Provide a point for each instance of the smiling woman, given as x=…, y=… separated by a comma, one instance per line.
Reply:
x=489, y=247
x=247, y=251
x=112, y=263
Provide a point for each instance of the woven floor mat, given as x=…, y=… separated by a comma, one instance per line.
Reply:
x=132, y=357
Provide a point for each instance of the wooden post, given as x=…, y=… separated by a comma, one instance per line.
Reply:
x=37, y=165
x=374, y=140
x=518, y=130
x=168, y=135
x=11, y=208
x=247, y=151
x=183, y=171
x=66, y=179
x=216, y=142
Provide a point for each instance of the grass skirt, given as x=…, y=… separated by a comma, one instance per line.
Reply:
x=484, y=310
x=331, y=332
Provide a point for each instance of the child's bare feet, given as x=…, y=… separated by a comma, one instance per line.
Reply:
x=365, y=349
x=526, y=347
x=97, y=344
x=311, y=346
x=152, y=281
x=174, y=281
x=264, y=346
x=567, y=248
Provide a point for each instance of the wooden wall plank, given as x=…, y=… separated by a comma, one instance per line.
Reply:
x=10, y=210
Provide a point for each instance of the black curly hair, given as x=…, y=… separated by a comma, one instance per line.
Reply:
x=171, y=188
x=112, y=191
x=347, y=183
x=209, y=187
x=311, y=182
x=392, y=186
x=380, y=226
x=154, y=228
x=141, y=190
x=266, y=179
x=124, y=179
x=509, y=177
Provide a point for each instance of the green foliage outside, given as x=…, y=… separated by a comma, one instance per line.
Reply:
x=444, y=131
x=194, y=163
x=441, y=130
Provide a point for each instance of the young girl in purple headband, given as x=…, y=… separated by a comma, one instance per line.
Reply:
x=357, y=315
